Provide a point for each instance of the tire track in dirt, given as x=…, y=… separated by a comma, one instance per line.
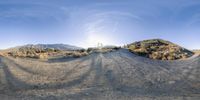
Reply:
x=17, y=84
x=25, y=69
x=102, y=75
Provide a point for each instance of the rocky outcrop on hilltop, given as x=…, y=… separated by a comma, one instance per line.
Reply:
x=159, y=49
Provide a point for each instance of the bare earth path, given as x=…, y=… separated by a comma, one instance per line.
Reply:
x=118, y=75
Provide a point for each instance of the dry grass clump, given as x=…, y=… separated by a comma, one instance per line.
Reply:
x=79, y=54
x=42, y=56
x=159, y=49
x=76, y=53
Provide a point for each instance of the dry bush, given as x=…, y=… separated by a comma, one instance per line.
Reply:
x=79, y=54
x=42, y=56
x=76, y=54
x=89, y=50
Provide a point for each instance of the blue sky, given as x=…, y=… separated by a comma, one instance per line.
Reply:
x=84, y=23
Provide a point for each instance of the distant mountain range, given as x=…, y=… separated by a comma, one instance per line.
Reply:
x=52, y=46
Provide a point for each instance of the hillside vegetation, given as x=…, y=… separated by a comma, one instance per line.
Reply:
x=159, y=49
x=38, y=52
x=42, y=53
x=30, y=52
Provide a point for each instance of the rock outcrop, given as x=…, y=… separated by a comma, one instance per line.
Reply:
x=159, y=49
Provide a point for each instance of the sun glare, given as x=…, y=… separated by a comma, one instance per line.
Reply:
x=94, y=39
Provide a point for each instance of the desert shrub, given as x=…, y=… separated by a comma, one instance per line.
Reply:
x=132, y=47
x=89, y=50
x=170, y=58
x=49, y=50
x=117, y=48
x=69, y=53
x=42, y=56
x=81, y=50
x=84, y=54
x=156, y=55
x=56, y=50
x=145, y=45
x=77, y=55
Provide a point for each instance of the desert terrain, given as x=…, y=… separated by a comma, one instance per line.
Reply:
x=116, y=74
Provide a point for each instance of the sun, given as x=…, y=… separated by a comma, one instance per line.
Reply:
x=94, y=39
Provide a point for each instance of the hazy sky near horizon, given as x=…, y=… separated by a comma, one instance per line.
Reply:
x=84, y=23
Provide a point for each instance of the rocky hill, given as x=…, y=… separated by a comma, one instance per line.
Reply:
x=159, y=49
x=43, y=51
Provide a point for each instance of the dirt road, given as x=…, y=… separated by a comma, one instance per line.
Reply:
x=118, y=75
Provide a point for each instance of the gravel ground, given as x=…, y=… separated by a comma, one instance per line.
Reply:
x=118, y=75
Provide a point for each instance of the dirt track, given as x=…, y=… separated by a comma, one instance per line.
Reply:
x=118, y=75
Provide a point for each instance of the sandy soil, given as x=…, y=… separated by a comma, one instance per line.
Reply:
x=118, y=75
